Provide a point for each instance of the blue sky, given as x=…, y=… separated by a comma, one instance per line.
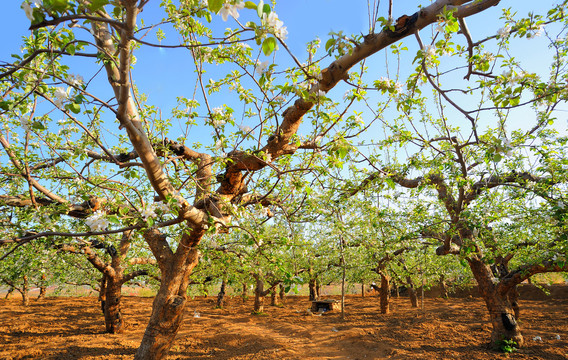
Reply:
x=164, y=74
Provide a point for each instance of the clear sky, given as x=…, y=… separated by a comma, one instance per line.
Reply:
x=164, y=74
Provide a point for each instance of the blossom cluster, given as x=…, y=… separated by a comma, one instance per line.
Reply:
x=231, y=9
x=150, y=210
x=97, y=221
x=275, y=24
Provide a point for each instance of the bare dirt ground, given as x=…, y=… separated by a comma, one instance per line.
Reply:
x=72, y=328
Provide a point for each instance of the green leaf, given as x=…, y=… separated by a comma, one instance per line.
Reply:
x=266, y=9
x=59, y=5
x=5, y=105
x=37, y=125
x=260, y=8
x=74, y=108
x=329, y=44
x=268, y=46
x=215, y=5
x=96, y=5
x=113, y=219
x=250, y=5
x=71, y=49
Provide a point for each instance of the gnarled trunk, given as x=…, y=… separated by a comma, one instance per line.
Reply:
x=114, y=322
x=169, y=303
x=501, y=312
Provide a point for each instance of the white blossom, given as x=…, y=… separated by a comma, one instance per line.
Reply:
x=218, y=144
x=260, y=67
x=75, y=80
x=321, y=93
x=148, y=212
x=203, y=3
x=272, y=21
x=60, y=95
x=537, y=32
x=25, y=123
x=268, y=157
x=97, y=221
x=560, y=204
x=429, y=50
x=245, y=129
x=440, y=27
x=279, y=98
x=162, y=206
x=504, y=31
x=398, y=87
x=229, y=9
x=28, y=10
x=318, y=76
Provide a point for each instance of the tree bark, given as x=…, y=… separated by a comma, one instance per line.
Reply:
x=385, y=293
x=282, y=293
x=221, y=295
x=10, y=290
x=25, y=292
x=443, y=287
x=42, y=288
x=312, y=287
x=169, y=303
x=501, y=312
x=258, y=295
x=114, y=322
x=244, y=294
x=273, y=299
x=363, y=290
x=412, y=292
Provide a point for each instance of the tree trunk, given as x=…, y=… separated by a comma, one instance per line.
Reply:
x=385, y=293
x=42, y=288
x=282, y=293
x=412, y=292
x=273, y=301
x=221, y=295
x=25, y=294
x=318, y=288
x=363, y=290
x=501, y=312
x=312, y=286
x=258, y=295
x=514, y=300
x=10, y=290
x=244, y=294
x=169, y=303
x=396, y=291
x=114, y=322
x=102, y=293
x=443, y=287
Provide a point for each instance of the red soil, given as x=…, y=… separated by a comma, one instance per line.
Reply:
x=72, y=328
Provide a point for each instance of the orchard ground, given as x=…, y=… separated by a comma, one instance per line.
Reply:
x=456, y=328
